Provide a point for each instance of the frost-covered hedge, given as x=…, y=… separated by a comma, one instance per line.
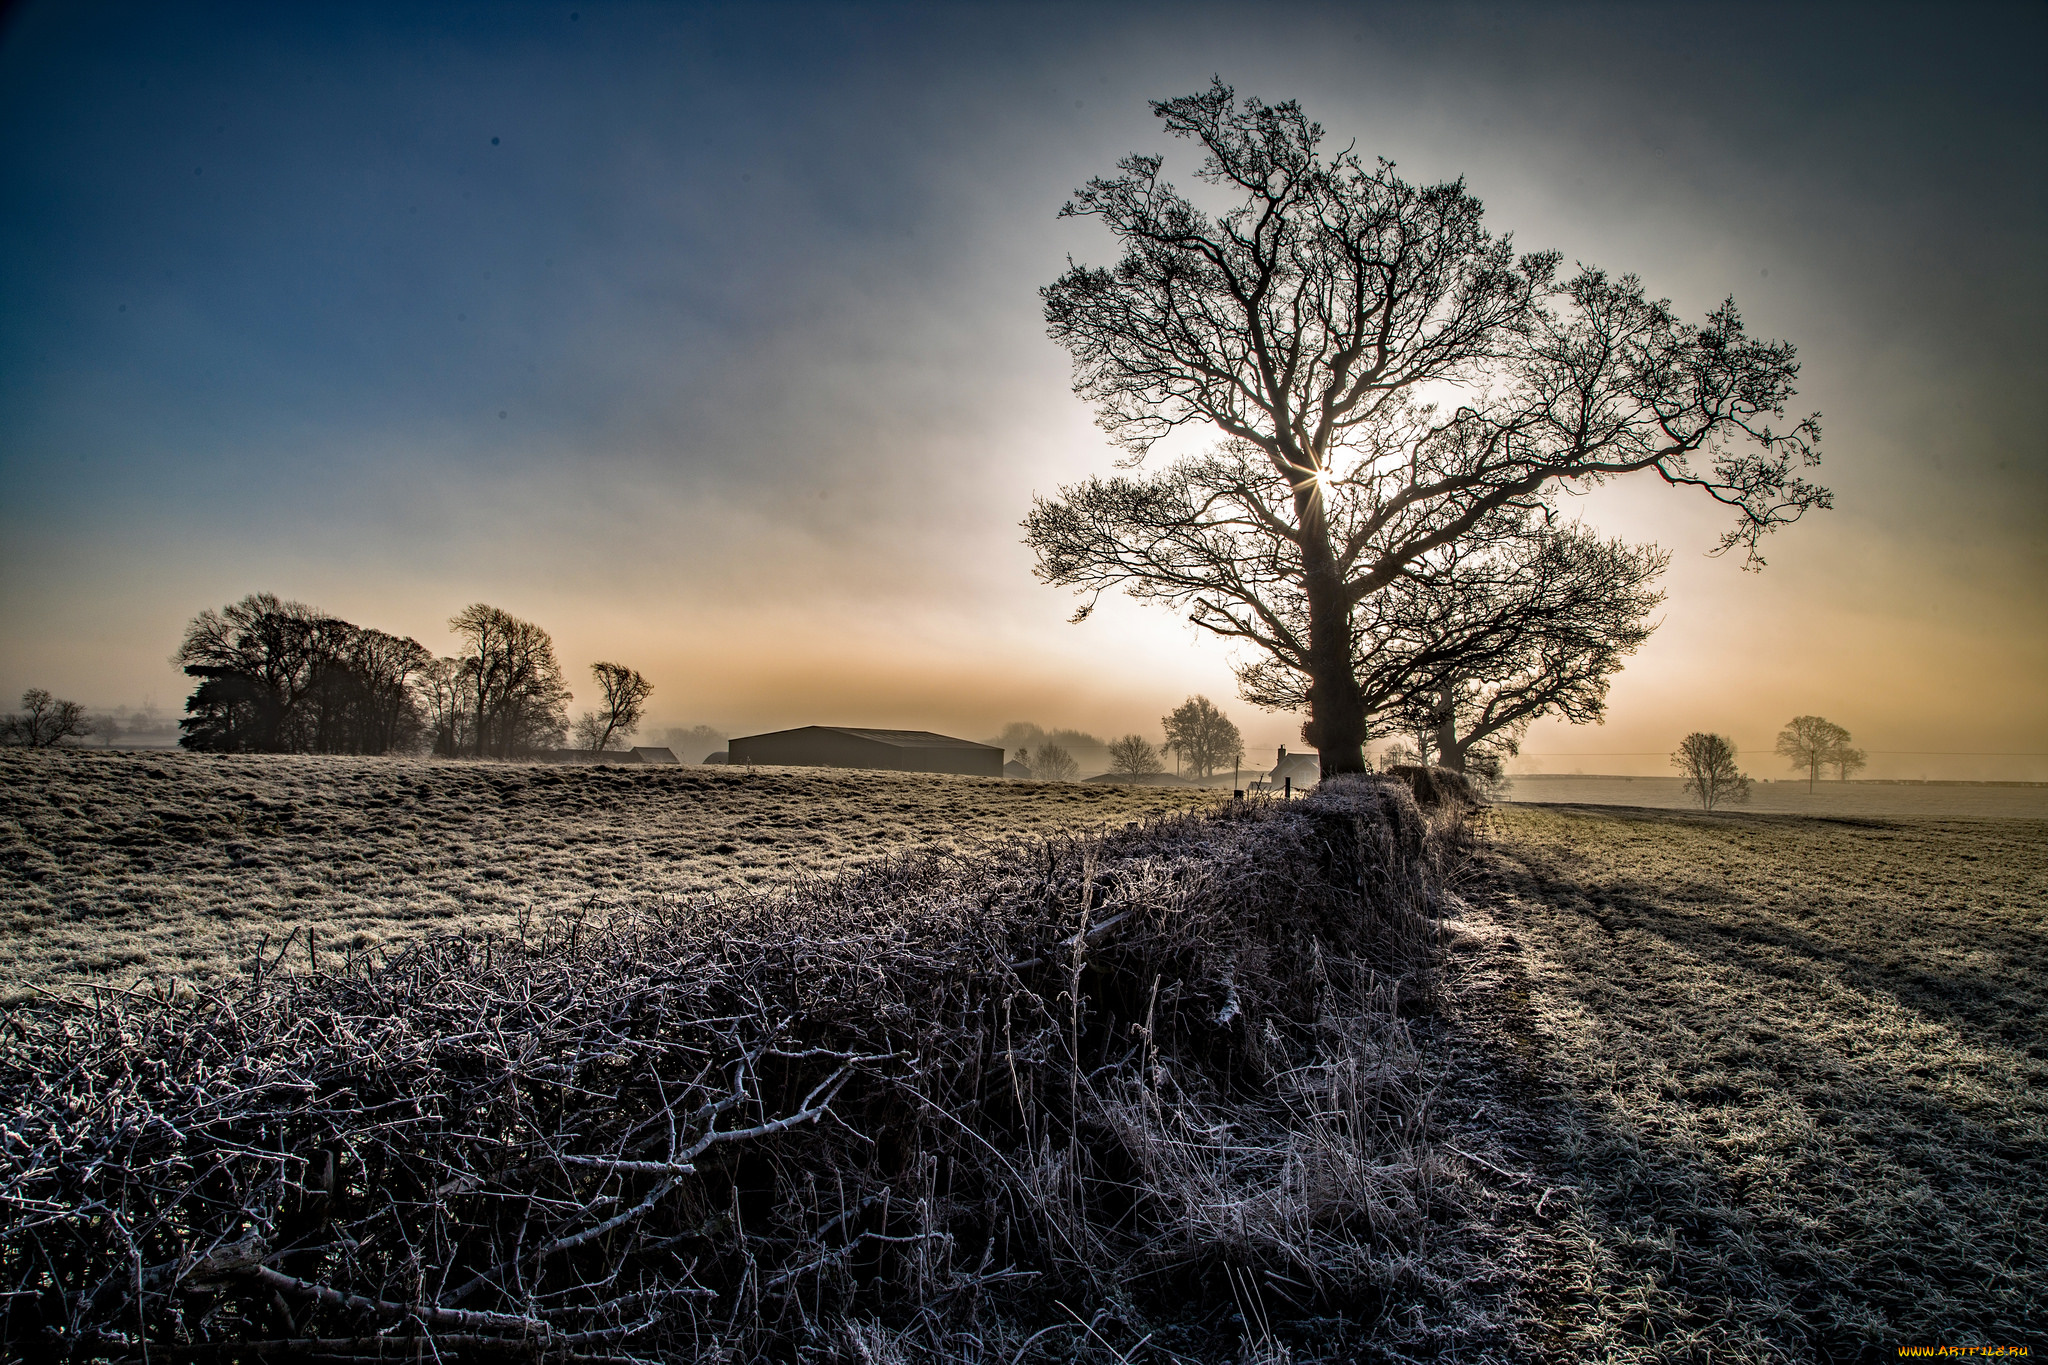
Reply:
x=1011, y=1108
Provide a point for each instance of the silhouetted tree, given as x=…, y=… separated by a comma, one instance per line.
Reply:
x=1466, y=654
x=281, y=677
x=1133, y=756
x=1708, y=763
x=1051, y=763
x=1810, y=742
x=625, y=695
x=447, y=691
x=1845, y=759
x=1309, y=325
x=1204, y=738
x=515, y=685
x=44, y=721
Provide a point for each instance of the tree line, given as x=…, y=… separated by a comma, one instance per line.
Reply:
x=275, y=676
x=1201, y=739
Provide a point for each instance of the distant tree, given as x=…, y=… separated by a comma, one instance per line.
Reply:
x=516, y=687
x=1399, y=754
x=1708, y=763
x=1075, y=741
x=44, y=721
x=625, y=695
x=1051, y=763
x=1809, y=743
x=1389, y=380
x=1020, y=734
x=1203, y=737
x=1134, y=756
x=697, y=739
x=282, y=677
x=135, y=725
x=447, y=691
x=1845, y=760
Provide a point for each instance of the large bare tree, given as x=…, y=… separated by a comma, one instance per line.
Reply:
x=624, y=692
x=1390, y=380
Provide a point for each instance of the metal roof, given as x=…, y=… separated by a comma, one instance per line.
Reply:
x=907, y=739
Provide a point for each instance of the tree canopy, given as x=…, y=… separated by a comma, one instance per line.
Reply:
x=281, y=677
x=1392, y=386
x=624, y=692
x=1708, y=763
x=1811, y=743
x=1202, y=736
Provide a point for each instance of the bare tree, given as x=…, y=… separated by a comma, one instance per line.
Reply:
x=625, y=695
x=1308, y=326
x=1845, y=760
x=515, y=685
x=1133, y=756
x=1810, y=743
x=1204, y=738
x=1467, y=655
x=1711, y=777
x=447, y=690
x=44, y=721
x=1051, y=763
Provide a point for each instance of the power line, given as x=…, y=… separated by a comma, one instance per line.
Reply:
x=1895, y=753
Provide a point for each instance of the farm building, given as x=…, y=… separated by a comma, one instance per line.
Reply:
x=1305, y=769
x=641, y=754
x=839, y=746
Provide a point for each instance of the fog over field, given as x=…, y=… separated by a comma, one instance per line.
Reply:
x=1940, y=801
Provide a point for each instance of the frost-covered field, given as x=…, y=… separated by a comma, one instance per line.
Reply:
x=117, y=865
x=1779, y=1084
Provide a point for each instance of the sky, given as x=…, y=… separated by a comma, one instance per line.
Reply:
x=708, y=337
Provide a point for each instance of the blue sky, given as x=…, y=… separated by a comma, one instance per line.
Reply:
x=707, y=336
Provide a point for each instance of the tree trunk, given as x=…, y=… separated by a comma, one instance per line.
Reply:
x=1336, y=706
x=1450, y=750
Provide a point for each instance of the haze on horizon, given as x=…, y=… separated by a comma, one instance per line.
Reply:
x=708, y=338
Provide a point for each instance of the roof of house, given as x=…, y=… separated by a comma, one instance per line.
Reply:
x=900, y=739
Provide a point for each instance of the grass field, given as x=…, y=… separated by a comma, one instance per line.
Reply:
x=1730, y=1087
x=119, y=864
x=1772, y=1088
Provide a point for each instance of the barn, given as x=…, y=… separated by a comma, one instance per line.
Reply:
x=840, y=746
